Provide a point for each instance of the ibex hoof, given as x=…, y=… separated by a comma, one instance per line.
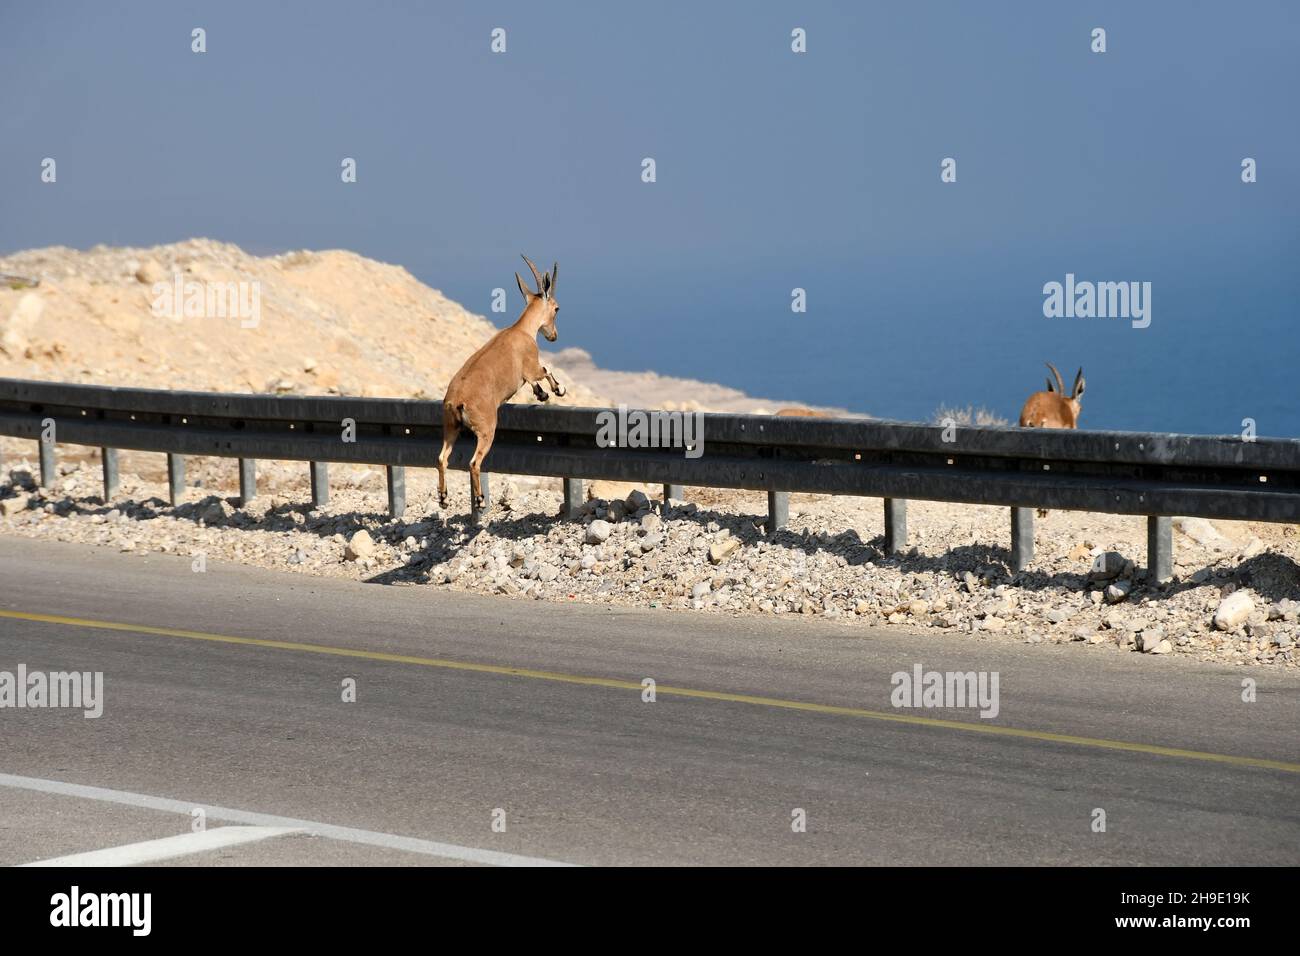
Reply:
x=442, y=501
x=561, y=391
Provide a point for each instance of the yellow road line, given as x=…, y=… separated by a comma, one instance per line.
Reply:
x=900, y=718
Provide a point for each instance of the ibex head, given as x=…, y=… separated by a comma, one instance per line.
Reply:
x=1052, y=409
x=543, y=298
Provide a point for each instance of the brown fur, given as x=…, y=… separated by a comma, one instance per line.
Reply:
x=494, y=373
x=1051, y=409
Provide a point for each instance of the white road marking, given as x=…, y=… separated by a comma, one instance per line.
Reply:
x=185, y=844
x=389, y=841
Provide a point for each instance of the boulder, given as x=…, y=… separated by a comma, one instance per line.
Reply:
x=360, y=546
x=1233, y=610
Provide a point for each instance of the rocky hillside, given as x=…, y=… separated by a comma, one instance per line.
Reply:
x=330, y=323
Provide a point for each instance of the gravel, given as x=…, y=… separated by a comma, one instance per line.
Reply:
x=1235, y=603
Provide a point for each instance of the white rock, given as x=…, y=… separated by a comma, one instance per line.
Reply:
x=1158, y=647
x=1118, y=591
x=1109, y=564
x=360, y=546
x=598, y=531
x=719, y=551
x=1253, y=547
x=1203, y=533
x=1233, y=610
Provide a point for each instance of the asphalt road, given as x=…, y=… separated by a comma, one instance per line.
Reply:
x=466, y=705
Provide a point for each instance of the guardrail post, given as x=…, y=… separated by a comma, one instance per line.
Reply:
x=477, y=514
x=396, y=490
x=247, y=480
x=47, y=462
x=1160, y=548
x=895, y=525
x=674, y=493
x=1022, y=538
x=110, y=472
x=572, y=497
x=778, y=510
x=320, y=483
x=175, y=477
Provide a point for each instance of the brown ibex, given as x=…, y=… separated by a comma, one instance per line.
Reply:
x=1051, y=409
x=494, y=373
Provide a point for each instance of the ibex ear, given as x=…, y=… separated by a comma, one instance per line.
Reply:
x=529, y=295
x=1049, y=384
x=1078, y=384
x=546, y=286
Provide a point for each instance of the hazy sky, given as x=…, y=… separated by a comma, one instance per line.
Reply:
x=775, y=170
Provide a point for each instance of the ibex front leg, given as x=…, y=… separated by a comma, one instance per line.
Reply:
x=535, y=374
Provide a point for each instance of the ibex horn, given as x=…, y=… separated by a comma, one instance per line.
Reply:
x=536, y=275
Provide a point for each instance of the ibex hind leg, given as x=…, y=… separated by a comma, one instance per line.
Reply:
x=485, y=438
x=450, y=431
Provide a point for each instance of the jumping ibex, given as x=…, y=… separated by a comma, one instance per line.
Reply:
x=1051, y=409
x=494, y=373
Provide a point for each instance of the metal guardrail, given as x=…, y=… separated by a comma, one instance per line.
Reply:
x=1151, y=474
